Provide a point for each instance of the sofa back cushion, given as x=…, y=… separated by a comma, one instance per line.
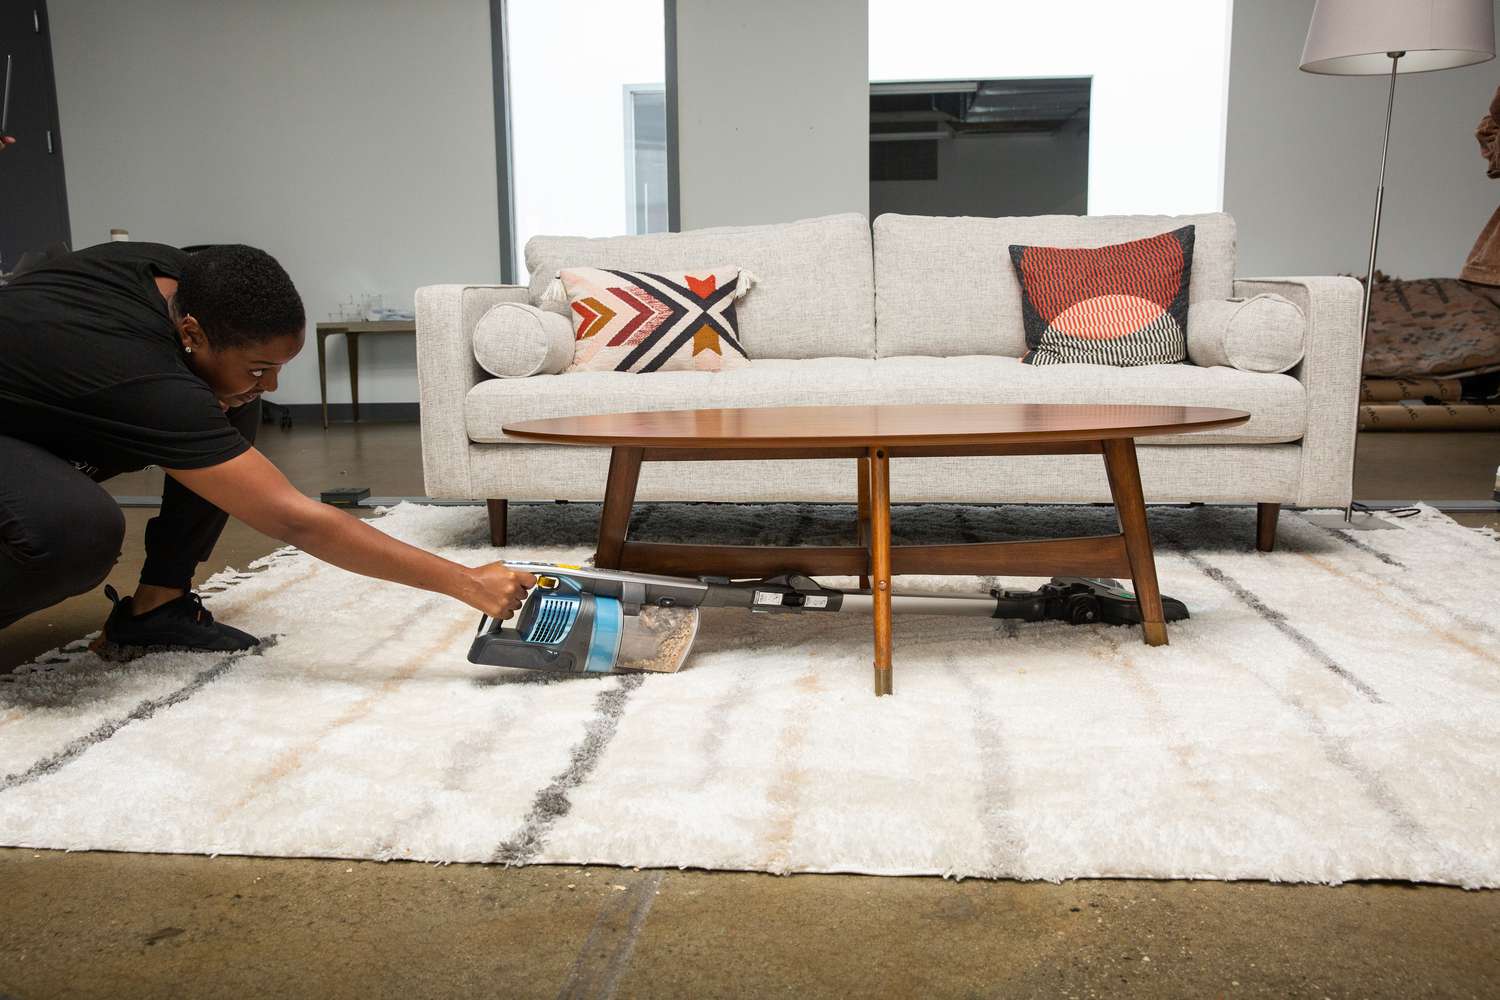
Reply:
x=814, y=291
x=946, y=287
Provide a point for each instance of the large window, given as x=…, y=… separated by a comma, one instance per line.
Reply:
x=646, y=158
x=588, y=117
x=1159, y=75
x=980, y=147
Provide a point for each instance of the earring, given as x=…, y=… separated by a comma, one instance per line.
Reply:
x=187, y=349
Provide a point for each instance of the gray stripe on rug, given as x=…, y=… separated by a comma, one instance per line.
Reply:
x=468, y=758
x=716, y=727
x=1335, y=748
x=1279, y=621
x=1120, y=657
x=1376, y=591
x=1416, y=596
x=788, y=783
x=1339, y=752
x=1345, y=537
x=551, y=803
x=145, y=710
x=509, y=676
x=1004, y=845
x=1350, y=540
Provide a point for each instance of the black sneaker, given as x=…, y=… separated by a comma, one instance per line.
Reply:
x=180, y=624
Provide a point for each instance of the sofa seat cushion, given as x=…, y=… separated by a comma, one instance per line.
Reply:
x=814, y=382
x=1276, y=403
x=814, y=292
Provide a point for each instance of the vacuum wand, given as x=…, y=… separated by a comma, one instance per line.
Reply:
x=584, y=620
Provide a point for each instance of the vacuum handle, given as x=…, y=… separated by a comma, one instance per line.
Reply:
x=498, y=646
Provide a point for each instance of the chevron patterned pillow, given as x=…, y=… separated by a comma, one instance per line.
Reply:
x=639, y=321
x=1122, y=305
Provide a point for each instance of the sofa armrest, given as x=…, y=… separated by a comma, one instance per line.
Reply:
x=1329, y=372
x=446, y=371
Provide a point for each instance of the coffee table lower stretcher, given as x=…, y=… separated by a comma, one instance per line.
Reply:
x=875, y=559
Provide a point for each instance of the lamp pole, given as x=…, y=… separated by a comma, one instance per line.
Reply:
x=1364, y=315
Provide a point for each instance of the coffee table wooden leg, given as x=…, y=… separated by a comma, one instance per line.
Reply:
x=619, y=496
x=864, y=514
x=1125, y=486
x=880, y=564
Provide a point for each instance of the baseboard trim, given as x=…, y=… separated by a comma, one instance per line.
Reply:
x=312, y=413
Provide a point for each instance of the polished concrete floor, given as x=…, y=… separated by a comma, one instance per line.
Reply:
x=96, y=924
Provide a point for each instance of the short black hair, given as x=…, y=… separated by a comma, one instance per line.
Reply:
x=239, y=295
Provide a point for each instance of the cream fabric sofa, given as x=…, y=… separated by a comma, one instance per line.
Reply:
x=914, y=309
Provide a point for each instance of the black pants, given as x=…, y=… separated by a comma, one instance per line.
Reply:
x=61, y=532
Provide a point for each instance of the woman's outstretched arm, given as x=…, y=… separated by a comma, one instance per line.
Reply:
x=254, y=491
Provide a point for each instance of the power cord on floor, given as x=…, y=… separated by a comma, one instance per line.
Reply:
x=1393, y=511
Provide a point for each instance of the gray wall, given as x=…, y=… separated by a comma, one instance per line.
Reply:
x=353, y=139
x=773, y=110
x=995, y=175
x=1303, y=157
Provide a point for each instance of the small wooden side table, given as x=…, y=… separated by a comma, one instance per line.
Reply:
x=352, y=331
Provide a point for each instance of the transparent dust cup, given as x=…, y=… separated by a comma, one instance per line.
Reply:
x=657, y=639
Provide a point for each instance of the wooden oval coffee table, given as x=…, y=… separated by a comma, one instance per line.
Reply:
x=874, y=435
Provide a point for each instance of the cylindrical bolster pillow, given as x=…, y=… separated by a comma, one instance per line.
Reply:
x=515, y=339
x=1260, y=334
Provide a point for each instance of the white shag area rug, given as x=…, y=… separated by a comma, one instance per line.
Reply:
x=1330, y=712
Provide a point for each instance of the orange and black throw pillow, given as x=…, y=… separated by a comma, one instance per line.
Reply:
x=1123, y=305
x=638, y=321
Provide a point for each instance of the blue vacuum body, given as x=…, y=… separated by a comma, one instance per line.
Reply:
x=580, y=620
x=561, y=627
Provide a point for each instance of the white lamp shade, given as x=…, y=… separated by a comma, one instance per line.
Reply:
x=1353, y=37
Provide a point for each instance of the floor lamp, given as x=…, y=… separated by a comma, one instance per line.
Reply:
x=1390, y=37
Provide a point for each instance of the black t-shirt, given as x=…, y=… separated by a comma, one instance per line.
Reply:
x=91, y=368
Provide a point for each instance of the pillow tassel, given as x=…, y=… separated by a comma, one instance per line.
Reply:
x=745, y=282
x=556, y=294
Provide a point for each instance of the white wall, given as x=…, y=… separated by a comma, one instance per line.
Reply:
x=773, y=110
x=1303, y=157
x=352, y=139
x=1156, y=136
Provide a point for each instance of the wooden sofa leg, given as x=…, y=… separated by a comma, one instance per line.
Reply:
x=1265, y=525
x=498, y=510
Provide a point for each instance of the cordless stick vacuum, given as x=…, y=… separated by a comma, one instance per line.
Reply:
x=583, y=620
